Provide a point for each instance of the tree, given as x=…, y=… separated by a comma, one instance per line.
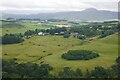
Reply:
x=66, y=35
x=111, y=73
x=116, y=68
x=99, y=72
x=12, y=38
x=25, y=70
x=106, y=33
x=66, y=73
x=78, y=73
x=82, y=37
x=88, y=74
x=118, y=60
x=30, y=32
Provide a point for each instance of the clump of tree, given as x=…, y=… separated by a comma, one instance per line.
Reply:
x=106, y=33
x=82, y=37
x=79, y=55
x=11, y=69
x=115, y=69
x=67, y=72
x=99, y=72
x=29, y=33
x=12, y=38
x=87, y=31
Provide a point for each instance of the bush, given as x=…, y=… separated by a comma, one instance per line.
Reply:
x=79, y=55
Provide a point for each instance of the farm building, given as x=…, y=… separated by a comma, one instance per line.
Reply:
x=39, y=23
x=56, y=33
x=41, y=34
x=74, y=34
x=62, y=32
x=62, y=25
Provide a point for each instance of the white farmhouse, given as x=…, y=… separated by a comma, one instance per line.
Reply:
x=41, y=34
x=74, y=34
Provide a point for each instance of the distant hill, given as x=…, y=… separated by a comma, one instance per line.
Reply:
x=90, y=14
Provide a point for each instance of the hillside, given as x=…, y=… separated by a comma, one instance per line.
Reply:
x=50, y=48
x=85, y=15
x=108, y=53
x=13, y=27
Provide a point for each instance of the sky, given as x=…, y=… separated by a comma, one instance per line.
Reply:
x=36, y=6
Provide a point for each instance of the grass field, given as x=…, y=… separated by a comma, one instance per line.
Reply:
x=20, y=27
x=40, y=46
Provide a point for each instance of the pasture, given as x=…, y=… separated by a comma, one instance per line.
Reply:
x=48, y=49
x=20, y=27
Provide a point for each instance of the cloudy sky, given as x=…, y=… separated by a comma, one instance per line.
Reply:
x=34, y=6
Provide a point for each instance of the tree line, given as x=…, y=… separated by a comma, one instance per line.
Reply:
x=11, y=69
x=97, y=72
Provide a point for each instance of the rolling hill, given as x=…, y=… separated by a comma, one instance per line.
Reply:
x=33, y=49
x=90, y=14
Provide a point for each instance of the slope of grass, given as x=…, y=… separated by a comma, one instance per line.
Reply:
x=108, y=53
x=12, y=24
x=20, y=27
x=40, y=46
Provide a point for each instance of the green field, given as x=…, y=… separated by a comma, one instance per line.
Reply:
x=20, y=27
x=40, y=46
